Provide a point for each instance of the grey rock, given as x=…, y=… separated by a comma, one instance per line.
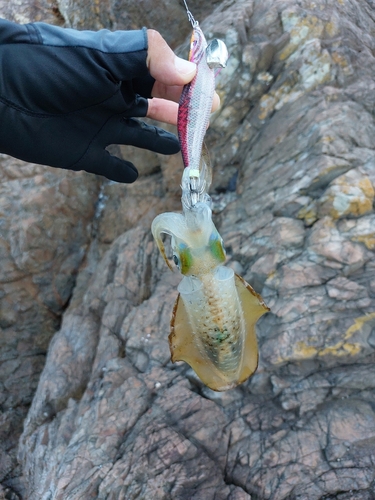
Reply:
x=111, y=416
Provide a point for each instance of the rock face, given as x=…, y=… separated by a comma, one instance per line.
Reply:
x=294, y=180
x=45, y=223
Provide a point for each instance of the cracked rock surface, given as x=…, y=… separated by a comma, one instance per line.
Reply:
x=105, y=414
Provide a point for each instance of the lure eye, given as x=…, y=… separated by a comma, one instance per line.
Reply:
x=176, y=260
x=193, y=45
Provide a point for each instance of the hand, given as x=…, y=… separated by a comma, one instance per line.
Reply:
x=65, y=95
x=171, y=73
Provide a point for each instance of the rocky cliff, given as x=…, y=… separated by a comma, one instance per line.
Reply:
x=105, y=414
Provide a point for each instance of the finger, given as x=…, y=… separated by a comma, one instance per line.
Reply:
x=102, y=163
x=164, y=65
x=215, y=103
x=142, y=135
x=162, y=110
x=166, y=111
x=173, y=93
x=170, y=92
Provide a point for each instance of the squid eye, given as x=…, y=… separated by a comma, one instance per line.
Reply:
x=216, y=247
x=176, y=260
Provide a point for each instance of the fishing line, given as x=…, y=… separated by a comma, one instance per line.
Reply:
x=194, y=23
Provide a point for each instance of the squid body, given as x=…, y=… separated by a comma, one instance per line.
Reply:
x=214, y=316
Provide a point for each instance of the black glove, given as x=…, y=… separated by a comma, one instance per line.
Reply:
x=65, y=95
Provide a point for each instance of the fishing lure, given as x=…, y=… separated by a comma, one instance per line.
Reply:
x=214, y=316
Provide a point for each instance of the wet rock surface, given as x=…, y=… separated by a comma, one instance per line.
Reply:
x=294, y=178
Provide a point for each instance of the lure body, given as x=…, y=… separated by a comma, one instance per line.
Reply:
x=214, y=316
x=195, y=103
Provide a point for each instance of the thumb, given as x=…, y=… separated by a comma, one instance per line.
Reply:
x=164, y=65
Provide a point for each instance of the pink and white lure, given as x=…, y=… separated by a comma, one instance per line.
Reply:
x=195, y=103
x=214, y=316
x=194, y=113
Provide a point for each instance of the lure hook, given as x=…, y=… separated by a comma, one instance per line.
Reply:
x=194, y=23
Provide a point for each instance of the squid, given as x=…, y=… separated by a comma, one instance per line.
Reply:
x=214, y=316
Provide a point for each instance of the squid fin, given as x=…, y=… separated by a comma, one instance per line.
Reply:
x=253, y=307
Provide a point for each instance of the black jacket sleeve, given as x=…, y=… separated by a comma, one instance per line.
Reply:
x=65, y=95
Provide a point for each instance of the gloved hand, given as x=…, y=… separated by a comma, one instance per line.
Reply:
x=65, y=95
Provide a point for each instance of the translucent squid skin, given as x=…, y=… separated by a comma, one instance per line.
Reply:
x=216, y=321
x=213, y=321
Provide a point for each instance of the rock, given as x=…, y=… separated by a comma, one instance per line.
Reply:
x=293, y=189
x=46, y=217
x=351, y=194
x=26, y=11
x=125, y=206
x=128, y=15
